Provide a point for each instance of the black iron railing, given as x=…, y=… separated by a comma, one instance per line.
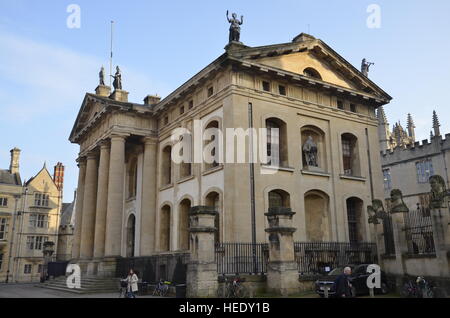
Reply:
x=419, y=231
x=153, y=268
x=318, y=258
x=242, y=258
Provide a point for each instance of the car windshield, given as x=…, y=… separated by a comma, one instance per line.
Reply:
x=336, y=271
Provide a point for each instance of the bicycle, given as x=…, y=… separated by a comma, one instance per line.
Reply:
x=425, y=288
x=161, y=288
x=420, y=288
x=233, y=288
x=123, y=288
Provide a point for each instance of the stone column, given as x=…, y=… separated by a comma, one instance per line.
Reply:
x=114, y=210
x=79, y=208
x=202, y=279
x=89, y=205
x=400, y=242
x=282, y=272
x=148, y=207
x=102, y=200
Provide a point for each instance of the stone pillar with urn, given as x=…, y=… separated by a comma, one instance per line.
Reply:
x=202, y=280
x=282, y=273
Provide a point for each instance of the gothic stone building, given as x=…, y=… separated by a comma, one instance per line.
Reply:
x=133, y=200
x=29, y=216
x=409, y=165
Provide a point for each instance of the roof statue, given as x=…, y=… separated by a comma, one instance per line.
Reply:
x=117, y=79
x=235, y=29
x=101, y=76
x=365, y=67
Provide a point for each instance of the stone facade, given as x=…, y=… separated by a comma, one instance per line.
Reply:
x=409, y=168
x=133, y=200
x=29, y=218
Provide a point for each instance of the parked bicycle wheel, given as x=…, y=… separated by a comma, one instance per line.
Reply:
x=241, y=292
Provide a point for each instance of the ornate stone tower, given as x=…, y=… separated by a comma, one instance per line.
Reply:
x=383, y=130
x=411, y=128
x=436, y=124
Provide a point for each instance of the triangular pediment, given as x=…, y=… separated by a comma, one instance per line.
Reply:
x=305, y=56
x=90, y=107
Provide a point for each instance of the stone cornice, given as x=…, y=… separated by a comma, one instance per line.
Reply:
x=309, y=82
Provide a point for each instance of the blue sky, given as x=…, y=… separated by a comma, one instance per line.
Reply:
x=45, y=67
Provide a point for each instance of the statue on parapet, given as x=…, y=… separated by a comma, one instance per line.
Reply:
x=376, y=211
x=397, y=203
x=117, y=83
x=365, y=67
x=101, y=76
x=235, y=29
x=438, y=192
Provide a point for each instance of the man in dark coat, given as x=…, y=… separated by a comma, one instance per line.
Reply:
x=343, y=286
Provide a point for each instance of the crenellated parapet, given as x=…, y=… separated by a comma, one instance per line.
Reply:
x=425, y=148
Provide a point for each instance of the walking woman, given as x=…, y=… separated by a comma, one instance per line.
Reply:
x=132, y=286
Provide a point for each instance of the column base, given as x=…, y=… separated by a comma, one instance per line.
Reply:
x=282, y=278
x=201, y=280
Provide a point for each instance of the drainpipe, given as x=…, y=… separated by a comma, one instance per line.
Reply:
x=16, y=197
x=252, y=185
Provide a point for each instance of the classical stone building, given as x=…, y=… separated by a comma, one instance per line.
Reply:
x=133, y=199
x=29, y=216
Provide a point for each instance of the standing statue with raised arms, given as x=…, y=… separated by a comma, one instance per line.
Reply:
x=235, y=29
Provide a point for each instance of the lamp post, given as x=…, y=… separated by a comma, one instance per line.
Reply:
x=48, y=250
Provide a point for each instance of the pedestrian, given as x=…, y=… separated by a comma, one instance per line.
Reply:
x=343, y=286
x=132, y=284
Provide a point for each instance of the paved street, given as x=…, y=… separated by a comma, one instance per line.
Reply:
x=31, y=291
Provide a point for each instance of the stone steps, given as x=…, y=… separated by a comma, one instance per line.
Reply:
x=89, y=284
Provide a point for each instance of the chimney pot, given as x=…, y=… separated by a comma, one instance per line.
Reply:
x=14, y=164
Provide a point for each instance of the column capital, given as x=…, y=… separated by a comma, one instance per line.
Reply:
x=147, y=140
x=81, y=160
x=118, y=136
x=91, y=155
x=104, y=144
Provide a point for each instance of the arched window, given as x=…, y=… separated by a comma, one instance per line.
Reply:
x=313, y=149
x=350, y=156
x=213, y=200
x=186, y=166
x=132, y=178
x=317, y=216
x=164, y=231
x=214, y=151
x=279, y=198
x=311, y=72
x=277, y=149
x=355, y=220
x=166, y=166
x=183, y=224
x=131, y=235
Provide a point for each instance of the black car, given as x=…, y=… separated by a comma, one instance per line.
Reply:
x=358, y=279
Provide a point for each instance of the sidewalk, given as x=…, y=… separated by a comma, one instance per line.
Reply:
x=29, y=290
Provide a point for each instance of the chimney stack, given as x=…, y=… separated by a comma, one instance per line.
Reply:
x=58, y=176
x=152, y=99
x=14, y=164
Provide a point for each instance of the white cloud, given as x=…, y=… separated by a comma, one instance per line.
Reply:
x=46, y=77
